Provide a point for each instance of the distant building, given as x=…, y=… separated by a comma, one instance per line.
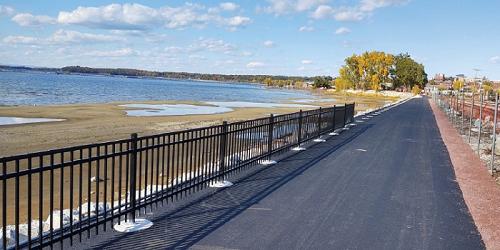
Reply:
x=460, y=77
x=439, y=77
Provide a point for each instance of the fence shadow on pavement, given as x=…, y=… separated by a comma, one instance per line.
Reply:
x=184, y=226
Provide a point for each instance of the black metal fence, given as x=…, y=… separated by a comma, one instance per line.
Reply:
x=84, y=189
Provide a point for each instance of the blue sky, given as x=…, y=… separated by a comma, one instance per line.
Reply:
x=279, y=37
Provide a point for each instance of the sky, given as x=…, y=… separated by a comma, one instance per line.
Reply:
x=278, y=37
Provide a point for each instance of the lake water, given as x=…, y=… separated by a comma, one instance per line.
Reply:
x=38, y=88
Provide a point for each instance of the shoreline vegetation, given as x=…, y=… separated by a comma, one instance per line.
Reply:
x=168, y=75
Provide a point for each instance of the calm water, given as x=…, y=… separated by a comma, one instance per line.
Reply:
x=29, y=88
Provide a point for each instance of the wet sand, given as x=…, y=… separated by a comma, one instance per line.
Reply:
x=90, y=123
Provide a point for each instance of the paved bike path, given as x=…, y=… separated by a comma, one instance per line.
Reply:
x=387, y=183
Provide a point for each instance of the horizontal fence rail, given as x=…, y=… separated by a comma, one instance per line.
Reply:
x=72, y=193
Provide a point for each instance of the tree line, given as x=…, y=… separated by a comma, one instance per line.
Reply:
x=376, y=70
x=185, y=75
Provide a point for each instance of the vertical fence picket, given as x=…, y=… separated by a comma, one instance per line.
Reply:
x=222, y=152
x=494, y=139
x=270, y=136
x=4, y=205
x=133, y=175
x=480, y=124
x=471, y=118
x=463, y=113
x=299, y=132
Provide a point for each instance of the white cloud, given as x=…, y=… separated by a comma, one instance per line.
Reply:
x=113, y=16
x=174, y=50
x=495, y=59
x=212, y=45
x=352, y=13
x=27, y=19
x=371, y=5
x=349, y=14
x=342, y=31
x=306, y=29
x=306, y=62
x=6, y=10
x=252, y=65
x=70, y=36
x=237, y=21
x=280, y=7
x=141, y=17
x=20, y=40
x=246, y=53
x=197, y=57
x=229, y=6
x=62, y=37
x=339, y=14
x=323, y=11
x=111, y=53
x=268, y=43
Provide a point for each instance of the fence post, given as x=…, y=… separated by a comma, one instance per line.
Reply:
x=332, y=131
x=480, y=123
x=319, y=122
x=222, y=151
x=133, y=174
x=299, y=133
x=270, y=136
x=471, y=116
x=334, y=109
x=353, y=111
x=452, y=113
x=136, y=224
x=345, y=113
x=221, y=183
x=463, y=112
x=494, y=136
x=455, y=110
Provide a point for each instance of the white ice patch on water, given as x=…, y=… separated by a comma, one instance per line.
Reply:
x=259, y=105
x=173, y=109
x=314, y=100
x=8, y=120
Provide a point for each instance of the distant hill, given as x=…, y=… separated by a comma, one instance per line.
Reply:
x=171, y=75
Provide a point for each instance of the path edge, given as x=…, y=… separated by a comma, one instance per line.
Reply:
x=480, y=192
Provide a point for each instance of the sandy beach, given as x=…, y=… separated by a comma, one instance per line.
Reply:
x=90, y=123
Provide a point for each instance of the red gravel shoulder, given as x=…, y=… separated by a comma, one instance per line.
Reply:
x=480, y=192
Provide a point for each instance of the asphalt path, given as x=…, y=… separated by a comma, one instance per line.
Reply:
x=387, y=183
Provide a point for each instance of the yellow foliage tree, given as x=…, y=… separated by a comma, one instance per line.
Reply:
x=368, y=70
x=458, y=84
x=416, y=90
x=342, y=84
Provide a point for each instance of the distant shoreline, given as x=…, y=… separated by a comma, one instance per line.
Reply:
x=146, y=74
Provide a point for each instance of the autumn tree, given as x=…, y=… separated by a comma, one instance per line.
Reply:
x=322, y=82
x=407, y=72
x=458, y=84
x=342, y=84
x=268, y=81
x=366, y=71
